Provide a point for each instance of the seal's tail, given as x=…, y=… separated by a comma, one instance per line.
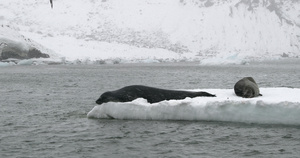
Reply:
x=205, y=94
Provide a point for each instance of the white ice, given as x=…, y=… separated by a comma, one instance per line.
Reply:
x=276, y=106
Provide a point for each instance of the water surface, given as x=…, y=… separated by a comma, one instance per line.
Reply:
x=43, y=112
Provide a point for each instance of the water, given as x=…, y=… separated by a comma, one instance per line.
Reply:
x=43, y=112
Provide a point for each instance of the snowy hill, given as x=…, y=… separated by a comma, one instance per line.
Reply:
x=210, y=31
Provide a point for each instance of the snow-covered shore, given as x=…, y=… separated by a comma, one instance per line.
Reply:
x=115, y=31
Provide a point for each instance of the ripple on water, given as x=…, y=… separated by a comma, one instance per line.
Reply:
x=43, y=113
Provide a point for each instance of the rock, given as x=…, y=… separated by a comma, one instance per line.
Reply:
x=35, y=53
x=16, y=51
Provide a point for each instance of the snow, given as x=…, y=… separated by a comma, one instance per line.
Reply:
x=276, y=106
x=211, y=31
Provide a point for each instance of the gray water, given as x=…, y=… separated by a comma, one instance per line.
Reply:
x=44, y=108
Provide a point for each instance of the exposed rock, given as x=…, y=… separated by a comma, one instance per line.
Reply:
x=17, y=52
x=35, y=53
x=14, y=45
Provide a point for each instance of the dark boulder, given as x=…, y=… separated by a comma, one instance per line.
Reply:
x=17, y=52
x=35, y=53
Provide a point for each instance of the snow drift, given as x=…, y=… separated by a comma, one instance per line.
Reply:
x=210, y=31
x=276, y=106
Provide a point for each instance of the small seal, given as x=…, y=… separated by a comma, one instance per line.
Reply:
x=151, y=94
x=246, y=88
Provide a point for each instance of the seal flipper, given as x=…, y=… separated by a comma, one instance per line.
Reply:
x=109, y=116
x=260, y=95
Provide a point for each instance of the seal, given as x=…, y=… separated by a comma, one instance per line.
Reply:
x=151, y=94
x=246, y=88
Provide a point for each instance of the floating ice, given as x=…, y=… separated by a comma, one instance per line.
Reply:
x=276, y=106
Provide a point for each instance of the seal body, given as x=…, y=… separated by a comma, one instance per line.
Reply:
x=246, y=88
x=151, y=94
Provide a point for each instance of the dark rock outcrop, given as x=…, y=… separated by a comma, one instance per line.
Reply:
x=17, y=52
x=35, y=53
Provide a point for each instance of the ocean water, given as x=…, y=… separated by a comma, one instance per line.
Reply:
x=44, y=112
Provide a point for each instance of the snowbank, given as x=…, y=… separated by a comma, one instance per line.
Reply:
x=213, y=32
x=276, y=106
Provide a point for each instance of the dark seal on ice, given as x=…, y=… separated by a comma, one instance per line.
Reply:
x=151, y=94
x=246, y=88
